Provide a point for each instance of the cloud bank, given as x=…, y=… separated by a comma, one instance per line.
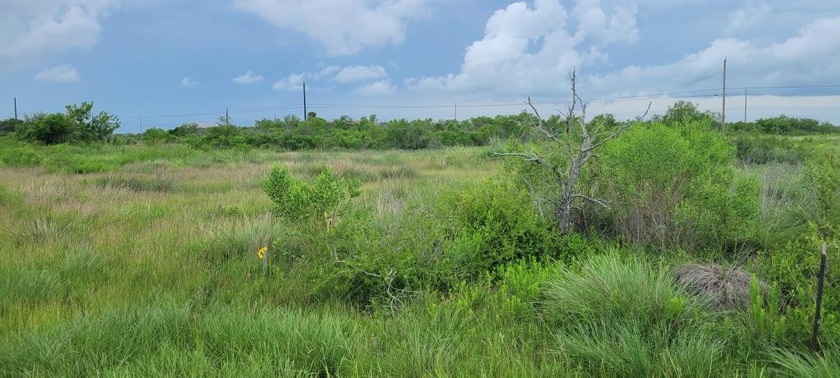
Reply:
x=31, y=31
x=343, y=27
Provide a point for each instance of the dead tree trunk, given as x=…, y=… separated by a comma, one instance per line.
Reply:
x=578, y=141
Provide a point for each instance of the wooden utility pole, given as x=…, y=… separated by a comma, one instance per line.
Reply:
x=16, y=108
x=305, y=113
x=723, y=112
x=227, y=117
x=745, y=105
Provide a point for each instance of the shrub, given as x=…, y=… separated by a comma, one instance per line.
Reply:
x=677, y=187
x=47, y=128
x=156, y=135
x=768, y=149
x=9, y=125
x=321, y=202
x=90, y=127
x=823, y=177
x=494, y=223
x=793, y=269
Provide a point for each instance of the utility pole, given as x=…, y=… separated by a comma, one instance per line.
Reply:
x=16, y=108
x=305, y=114
x=227, y=117
x=723, y=114
x=456, y=112
x=745, y=105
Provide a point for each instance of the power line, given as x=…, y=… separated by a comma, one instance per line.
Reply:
x=236, y=111
x=697, y=93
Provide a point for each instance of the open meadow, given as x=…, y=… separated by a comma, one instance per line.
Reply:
x=144, y=260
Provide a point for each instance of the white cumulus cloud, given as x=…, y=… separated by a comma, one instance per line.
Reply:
x=188, y=82
x=248, y=78
x=354, y=74
x=750, y=64
x=30, y=31
x=293, y=82
x=64, y=73
x=344, y=27
x=524, y=47
x=377, y=88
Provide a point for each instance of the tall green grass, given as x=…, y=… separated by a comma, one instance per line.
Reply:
x=620, y=316
x=141, y=261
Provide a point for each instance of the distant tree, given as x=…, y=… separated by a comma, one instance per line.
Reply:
x=9, y=125
x=92, y=128
x=185, y=129
x=683, y=112
x=45, y=128
x=224, y=136
x=266, y=123
x=784, y=125
x=291, y=121
x=154, y=135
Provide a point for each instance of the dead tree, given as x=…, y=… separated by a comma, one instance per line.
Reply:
x=578, y=140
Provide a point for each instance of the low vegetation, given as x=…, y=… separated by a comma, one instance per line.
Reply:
x=192, y=252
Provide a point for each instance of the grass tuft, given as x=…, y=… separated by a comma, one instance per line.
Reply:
x=726, y=288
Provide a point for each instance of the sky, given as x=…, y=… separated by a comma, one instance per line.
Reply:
x=162, y=63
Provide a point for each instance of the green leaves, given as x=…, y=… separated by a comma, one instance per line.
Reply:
x=90, y=127
x=321, y=202
x=675, y=186
x=78, y=124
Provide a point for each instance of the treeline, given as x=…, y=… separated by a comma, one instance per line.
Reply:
x=293, y=133
x=79, y=124
x=784, y=125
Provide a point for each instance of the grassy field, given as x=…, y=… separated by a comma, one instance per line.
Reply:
x=142, y=261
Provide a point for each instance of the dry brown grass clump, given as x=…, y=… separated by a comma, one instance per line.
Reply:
x=725, y=288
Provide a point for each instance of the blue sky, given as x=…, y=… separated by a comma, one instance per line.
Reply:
x=162, y=63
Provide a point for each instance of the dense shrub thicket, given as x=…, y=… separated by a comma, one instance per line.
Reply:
x=292, y=133
x=78, y=124
x=677, y=187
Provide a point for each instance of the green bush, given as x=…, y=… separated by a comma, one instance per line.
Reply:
x=9, y=125
x=47, y=128
x=823, y=177
x=495, y=223
x=793, y=270
x=91, y=127
x=677, y=187
x=321, y=202
x=156, y=135
x=768, y=149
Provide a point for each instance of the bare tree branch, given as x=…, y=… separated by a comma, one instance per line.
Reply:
x=598, y=201
x=646, y=111
x=541, y=124
x=578, y=149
